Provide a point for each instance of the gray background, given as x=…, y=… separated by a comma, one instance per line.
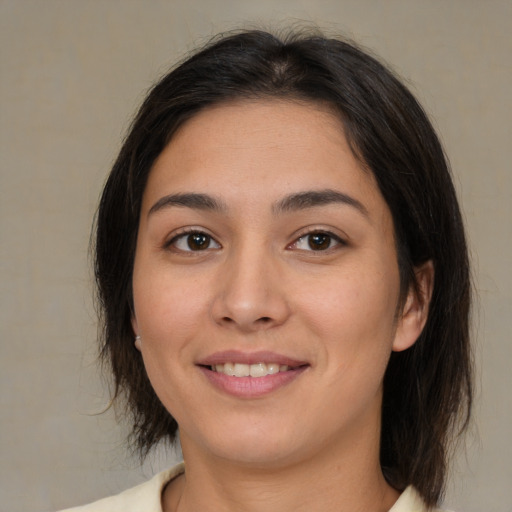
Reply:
x=72, y=74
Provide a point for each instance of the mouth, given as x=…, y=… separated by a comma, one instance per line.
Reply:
x=250, y=375
x=250, y=370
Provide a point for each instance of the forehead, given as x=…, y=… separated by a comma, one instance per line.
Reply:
x=266, y=123
x=247, y=150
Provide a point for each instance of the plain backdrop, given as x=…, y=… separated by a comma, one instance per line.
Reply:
x=72, y=75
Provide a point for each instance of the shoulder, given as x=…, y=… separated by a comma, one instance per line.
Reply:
x=146, y=496
x=411, y=501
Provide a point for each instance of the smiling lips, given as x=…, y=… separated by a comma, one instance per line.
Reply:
x=250, y=375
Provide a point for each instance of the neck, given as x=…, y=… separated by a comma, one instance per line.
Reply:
x=337, y=479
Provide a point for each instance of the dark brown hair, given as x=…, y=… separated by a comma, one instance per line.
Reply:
x=427, y=388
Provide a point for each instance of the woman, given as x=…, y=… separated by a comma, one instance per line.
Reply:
x=283, y=273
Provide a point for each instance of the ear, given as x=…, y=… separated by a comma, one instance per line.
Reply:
x=135, y=328
x=414, y=314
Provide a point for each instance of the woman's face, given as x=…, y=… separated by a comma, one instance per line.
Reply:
x=266, y=285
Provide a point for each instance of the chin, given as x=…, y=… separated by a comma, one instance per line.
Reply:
x=248, y=444
x=263, y=455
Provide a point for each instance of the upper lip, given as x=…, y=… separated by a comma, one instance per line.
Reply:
x=236, y=356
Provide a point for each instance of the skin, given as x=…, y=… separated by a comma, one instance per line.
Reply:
x=259, y=284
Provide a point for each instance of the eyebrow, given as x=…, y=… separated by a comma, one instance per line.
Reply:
x=189, y=200
x=292, y=202
x=313, y=198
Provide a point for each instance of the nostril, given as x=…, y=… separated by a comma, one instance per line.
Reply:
x=265, y=319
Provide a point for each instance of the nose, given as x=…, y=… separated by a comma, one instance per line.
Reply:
x=251, y=293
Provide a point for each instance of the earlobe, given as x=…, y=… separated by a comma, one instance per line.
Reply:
x=135, y=327
x=415, y=311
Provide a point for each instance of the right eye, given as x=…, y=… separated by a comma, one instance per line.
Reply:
x=193, y=241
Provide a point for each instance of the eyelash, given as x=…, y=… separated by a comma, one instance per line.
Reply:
x=184, y=234
x=332, y=239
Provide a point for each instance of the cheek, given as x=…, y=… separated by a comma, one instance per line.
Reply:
x=168, y=318
x=352, y=299
x=167, y=305
x=353, y=312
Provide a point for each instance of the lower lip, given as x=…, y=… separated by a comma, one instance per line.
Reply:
x=251, y=387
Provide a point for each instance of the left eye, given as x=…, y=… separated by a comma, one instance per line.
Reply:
x=192, y=242
x=318, y=241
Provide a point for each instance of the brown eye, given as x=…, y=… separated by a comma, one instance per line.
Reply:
x=319, y=241
x=194, y=242
x=198, y=241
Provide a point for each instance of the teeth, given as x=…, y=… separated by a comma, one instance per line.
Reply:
x=242, y=370
x=274, y=368
x=258, y=370
x=253, y=370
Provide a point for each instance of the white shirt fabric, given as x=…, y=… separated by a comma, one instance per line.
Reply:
x=147, y=497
